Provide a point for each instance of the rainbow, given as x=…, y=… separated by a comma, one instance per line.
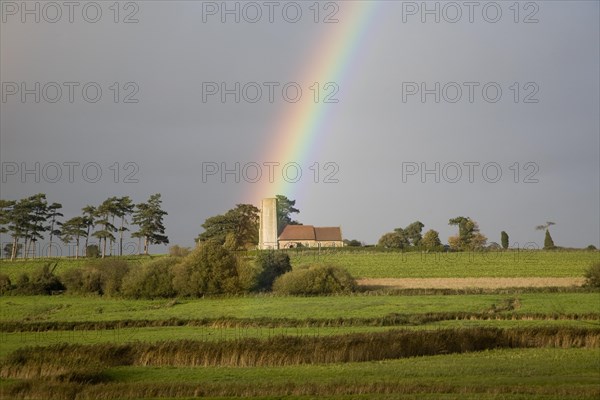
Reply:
x=297, y=130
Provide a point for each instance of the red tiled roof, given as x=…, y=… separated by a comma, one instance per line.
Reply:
x=328, y=233
x=298, y=232
x=309, y=232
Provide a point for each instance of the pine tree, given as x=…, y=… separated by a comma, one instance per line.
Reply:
x=149, y=217
x=73, y=230
x=55, y=225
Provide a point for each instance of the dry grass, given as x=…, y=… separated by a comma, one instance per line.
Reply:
x=469, y=283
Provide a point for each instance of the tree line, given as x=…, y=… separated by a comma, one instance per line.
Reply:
x=238, y=229
x=30, y=219
x=468, y=238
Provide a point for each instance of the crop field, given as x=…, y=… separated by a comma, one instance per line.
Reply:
x=423, y=343
x=514, y=263
x=377, y=264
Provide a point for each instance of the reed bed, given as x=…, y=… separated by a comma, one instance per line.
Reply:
x=61, y=361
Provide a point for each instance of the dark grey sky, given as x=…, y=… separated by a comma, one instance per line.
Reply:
x=373, y=134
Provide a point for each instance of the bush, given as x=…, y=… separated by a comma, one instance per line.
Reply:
x=271, y=265
x=315, y=280
x=178, y=251
x=42, y=281
x=591, y=247
x=83, y=280
x=248, y=275
x=209, y=269
x=92, y=251
x=5, y=284
x=592, y=276
x=112, y=272
x=151, y=280
x=104, y=277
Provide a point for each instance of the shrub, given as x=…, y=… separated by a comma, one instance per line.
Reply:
x=178, y=251
x=92, y=251
x=104, y=277
x=5, y=284
x=315, y=280
x=591, y=247
x=248, y=275
x=42, y=281
x=592, y=276
x=271, y=265
x=209, y=269
x=83, y=280
x=112, y=272
x=153, y=279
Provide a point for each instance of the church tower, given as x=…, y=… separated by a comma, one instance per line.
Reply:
x=267, y=234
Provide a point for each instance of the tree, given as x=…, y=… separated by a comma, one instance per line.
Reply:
x=53, y=213
x=124, y=207
x=72, y=230
x=26, y=220
x=238, y=227
x=38, y=211
x=353, y=243
x=8, y=249
x=504, y=240
x=5, y=213
x=285, y=207
x=89, y=217
x=6, y=208
x=271, y=265
x=149, y=218
x=208, y=269
x=431, y=240
x=478, y=241
x=468, y=237
x=413, y=232
x=454, y=242
x=104, y=212
x=17, y=218
x=548, y=242
x=394, y=240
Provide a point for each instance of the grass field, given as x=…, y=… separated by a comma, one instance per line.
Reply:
x=94, y=308
x=554, y=372
x=376, y=264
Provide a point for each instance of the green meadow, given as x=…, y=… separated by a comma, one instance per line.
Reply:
x=371, y=263
x=541, y=343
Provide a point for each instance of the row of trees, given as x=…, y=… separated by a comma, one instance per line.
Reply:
x=469, y=236
x=411, y=236
x=28, y=220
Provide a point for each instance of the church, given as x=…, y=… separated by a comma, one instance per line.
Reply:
x=293, y=235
